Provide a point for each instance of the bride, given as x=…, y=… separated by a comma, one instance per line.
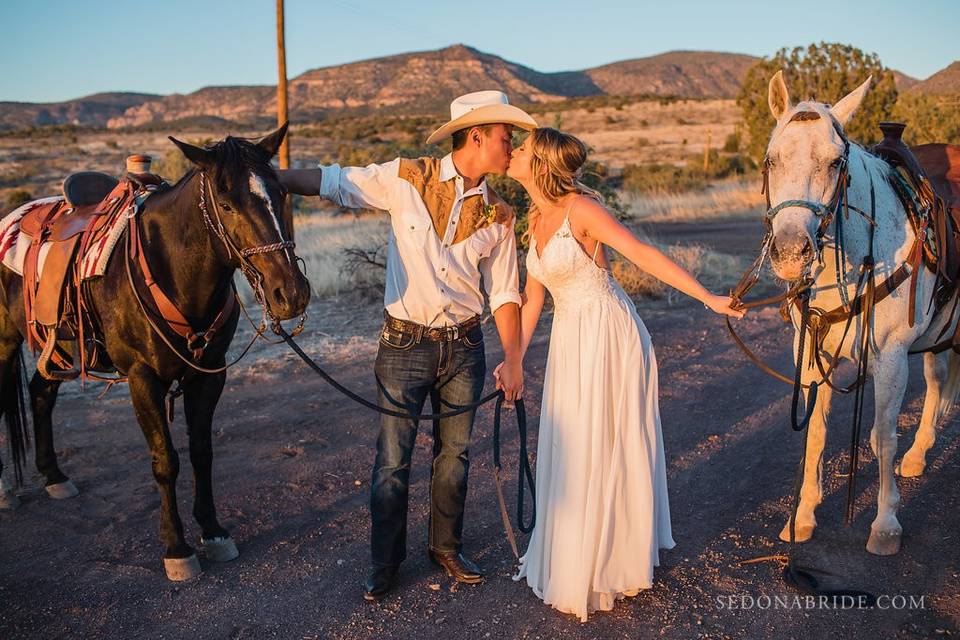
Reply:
x=601, y=499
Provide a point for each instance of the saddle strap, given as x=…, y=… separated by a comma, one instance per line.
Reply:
x=197, y=341
x=881, y=291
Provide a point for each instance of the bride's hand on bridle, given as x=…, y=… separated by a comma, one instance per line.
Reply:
x=724, y=306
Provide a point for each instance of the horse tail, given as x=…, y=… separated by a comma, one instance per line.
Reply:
x=14, y=409
x=951, y=388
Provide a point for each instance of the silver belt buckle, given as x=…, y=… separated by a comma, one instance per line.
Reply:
x=453, y=331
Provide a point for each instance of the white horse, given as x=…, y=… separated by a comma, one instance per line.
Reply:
x=805, y=158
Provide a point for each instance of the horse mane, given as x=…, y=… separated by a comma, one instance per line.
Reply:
x=235, y=158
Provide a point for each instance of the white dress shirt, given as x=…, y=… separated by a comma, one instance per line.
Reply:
x=430, y=280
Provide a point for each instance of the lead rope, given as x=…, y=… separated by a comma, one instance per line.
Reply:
x=524, y=473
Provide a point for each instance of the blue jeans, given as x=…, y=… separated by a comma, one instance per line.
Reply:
x=409, y=370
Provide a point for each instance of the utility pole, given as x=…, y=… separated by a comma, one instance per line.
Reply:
x=706, y=154
x=282, y=88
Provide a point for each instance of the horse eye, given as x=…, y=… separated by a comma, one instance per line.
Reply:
x=836, y=162
x=225, y=206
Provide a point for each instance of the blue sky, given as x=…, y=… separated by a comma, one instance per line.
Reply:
x=57, y=49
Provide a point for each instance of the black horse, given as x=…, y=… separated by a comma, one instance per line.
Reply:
x=225, y=214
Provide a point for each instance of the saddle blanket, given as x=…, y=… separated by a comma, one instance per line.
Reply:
x=14, y=245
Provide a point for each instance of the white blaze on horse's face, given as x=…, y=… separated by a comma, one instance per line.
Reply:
x=259, y=189
x=804, y=159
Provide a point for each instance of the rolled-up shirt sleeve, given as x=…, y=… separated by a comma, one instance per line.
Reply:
x=501, y=276
x=372, y=186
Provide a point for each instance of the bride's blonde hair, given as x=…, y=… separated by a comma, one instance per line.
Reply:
x=557, y=166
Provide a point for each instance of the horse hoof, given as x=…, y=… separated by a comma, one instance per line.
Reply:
x=219, y=549
x=801, y=532
x=884, y=544
x=62, y=490
x=180, y=569
x=909, y=469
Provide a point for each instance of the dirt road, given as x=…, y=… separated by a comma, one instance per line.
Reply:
x=292, y=467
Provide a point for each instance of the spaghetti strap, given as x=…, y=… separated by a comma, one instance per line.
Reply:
x=566, y=216
x=595, y=250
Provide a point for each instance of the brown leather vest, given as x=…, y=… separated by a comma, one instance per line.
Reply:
x=424, y=175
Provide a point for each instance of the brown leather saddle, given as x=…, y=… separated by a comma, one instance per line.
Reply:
x=52, y=296
x=926, y=178
x=922, y=183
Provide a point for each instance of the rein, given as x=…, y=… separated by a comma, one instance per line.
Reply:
x=524, y=473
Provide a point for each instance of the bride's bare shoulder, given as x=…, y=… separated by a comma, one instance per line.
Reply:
x=587, y=210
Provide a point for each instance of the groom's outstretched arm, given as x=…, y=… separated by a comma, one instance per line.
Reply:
x=303, y=182
x=370, y=187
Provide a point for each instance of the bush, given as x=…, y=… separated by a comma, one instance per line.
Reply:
x=173, y=165
x=17, y=197
x=732, y=143
x=929, y=118
x=824, y=72
x=662, y=178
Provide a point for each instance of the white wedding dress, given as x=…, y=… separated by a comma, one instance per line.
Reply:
x=601, y=484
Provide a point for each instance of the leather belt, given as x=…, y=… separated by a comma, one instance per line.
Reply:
x=437, y=334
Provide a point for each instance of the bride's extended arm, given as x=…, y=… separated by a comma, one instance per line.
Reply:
x=533, y=295
x=600, y=225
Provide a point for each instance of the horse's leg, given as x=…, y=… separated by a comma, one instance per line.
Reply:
x=43, y=397
x=10, y=391
x=200, y=398
x=147, y=392
x=942, y=374
x=890, y=374
x=811, y=492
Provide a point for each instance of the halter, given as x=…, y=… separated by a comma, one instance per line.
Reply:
x=253, y=275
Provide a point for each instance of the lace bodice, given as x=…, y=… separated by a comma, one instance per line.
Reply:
x=570, y=275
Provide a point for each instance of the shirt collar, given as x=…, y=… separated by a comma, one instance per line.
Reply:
x=448, y=171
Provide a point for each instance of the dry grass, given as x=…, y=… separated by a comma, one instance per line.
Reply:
x=723, y=200
x=321, y=240
x=650, y=131
x=715, y=270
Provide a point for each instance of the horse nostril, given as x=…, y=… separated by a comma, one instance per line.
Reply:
x=279, y=297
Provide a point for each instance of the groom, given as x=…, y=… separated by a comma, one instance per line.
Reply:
x=450, y=236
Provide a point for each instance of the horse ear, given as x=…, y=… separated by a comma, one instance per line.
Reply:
x=844, y=109
x=197, y=155
x=777, y=96
x=271, y=142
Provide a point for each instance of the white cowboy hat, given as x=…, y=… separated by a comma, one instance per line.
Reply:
x=482, y=107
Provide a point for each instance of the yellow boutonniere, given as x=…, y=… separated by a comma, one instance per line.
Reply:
x=489, y=213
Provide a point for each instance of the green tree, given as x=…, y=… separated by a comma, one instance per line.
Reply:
x=824, y=72
x=929, y=118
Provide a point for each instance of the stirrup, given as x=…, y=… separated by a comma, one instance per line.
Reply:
x=43, y=362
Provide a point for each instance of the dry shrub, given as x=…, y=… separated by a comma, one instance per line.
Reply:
x=717, y=271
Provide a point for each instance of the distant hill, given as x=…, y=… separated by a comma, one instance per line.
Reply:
x=678, y=73
x=428, y=80
x=418, y=82
x=95, y=110
x=943, y=82
x=904, y=82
